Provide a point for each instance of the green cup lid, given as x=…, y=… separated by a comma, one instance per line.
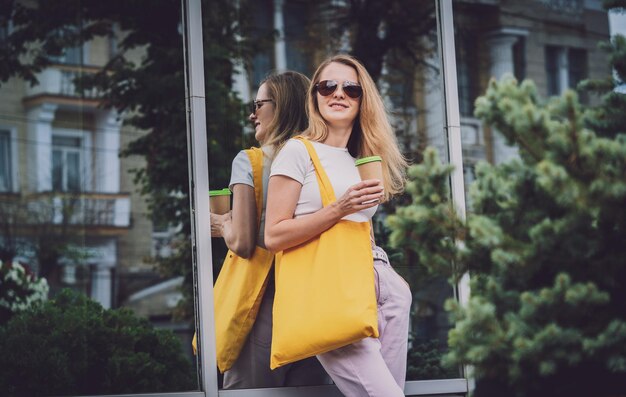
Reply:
x=221, y=192
x=366, y=160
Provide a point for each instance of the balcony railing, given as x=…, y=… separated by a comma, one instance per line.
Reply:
x=92, y=210
x=59, y=80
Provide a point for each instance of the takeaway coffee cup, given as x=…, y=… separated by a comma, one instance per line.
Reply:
x=219, y=201
x=370, y=167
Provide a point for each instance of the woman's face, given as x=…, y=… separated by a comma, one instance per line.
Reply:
x=263, y=114
x=338, y=109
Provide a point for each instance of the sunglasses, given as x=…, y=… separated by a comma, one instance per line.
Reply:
x=256, y=104
x=327, y=87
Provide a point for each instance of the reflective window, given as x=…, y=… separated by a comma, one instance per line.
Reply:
x=95, y=257
x=6, y=161
x=66, y=163
x=402, y=55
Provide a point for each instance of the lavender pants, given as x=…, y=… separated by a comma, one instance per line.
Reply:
x=252, y=368
x=375, y=367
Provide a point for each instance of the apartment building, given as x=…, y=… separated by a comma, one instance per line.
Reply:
x=77, y=216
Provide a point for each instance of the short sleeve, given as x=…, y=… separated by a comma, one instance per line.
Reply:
x=292, y=161
x=241, y=171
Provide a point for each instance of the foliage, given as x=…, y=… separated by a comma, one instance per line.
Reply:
x=71, y=345
x=20, y=290
x=424, y=362
x=543, y=242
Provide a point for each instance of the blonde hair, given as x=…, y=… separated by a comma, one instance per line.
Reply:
x=371, y=134
x=288, y=91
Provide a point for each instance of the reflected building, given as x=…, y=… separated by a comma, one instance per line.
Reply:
x=77, y=217
x=553, y=43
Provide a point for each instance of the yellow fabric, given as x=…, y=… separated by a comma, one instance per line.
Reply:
x=325, y=295
x=240, y=285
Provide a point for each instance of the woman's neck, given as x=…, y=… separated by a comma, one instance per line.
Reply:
x=338, y=137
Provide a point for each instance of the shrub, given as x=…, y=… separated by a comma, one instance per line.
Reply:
x=71, y=345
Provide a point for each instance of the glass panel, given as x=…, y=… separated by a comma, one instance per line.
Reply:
x=400, y=52
x=73, y=171
x=66, y=141
x=5, y=162
x=102, y=219
x=57, y=170
x=553, y=69
x=261, y=26
x=298, y=54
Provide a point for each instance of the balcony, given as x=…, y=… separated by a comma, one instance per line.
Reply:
x=57, y=85
x=100, y=213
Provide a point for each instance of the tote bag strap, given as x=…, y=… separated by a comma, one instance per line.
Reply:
x=326, y=189
x=255, y=155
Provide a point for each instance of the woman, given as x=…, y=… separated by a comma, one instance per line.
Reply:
x=347, y=119
x=277, y=113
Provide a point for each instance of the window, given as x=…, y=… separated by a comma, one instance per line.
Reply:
x=295, y=23
x=467, y=71
x=519, y=58
x=565, y=68
x=74, y=51
x=66, y=163
x=73, y=55
x=6, y=162
x=263, y=28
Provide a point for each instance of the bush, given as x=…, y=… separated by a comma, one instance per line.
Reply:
x=71, y=345
x=20, y=289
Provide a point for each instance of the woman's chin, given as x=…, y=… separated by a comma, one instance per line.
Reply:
x=259, y=136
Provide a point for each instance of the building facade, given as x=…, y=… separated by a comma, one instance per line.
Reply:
x=78, y=218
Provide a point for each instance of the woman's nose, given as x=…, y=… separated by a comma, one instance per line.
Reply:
x=252, y=116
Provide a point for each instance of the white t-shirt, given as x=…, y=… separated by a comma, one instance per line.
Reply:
x=241, y=172
x=294, y=162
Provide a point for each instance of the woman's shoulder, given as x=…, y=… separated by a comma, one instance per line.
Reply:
x=241, y=158
x=293, y=147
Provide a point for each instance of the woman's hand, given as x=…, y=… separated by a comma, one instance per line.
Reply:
x=218, y=222
x=361, y=196
x=283, y=231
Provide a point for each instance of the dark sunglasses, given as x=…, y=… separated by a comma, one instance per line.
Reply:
x=256, y=104
x=327, y=87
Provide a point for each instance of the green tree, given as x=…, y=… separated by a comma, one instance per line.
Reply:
x=72, y=346
x=543, y=242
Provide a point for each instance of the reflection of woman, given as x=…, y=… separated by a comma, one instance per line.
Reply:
x=346, y=119
x=277, y=113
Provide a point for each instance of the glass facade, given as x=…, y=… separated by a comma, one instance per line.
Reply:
x=87, y=171
x=117, y=124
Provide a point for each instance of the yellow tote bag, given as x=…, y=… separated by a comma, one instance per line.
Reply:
x=325, y=294
x=240, y=285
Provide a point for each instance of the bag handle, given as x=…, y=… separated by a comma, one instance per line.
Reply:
x=255, y=155
x=326, y=188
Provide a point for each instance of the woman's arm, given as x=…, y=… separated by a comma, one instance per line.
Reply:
x=240, y=230
x=283, y=231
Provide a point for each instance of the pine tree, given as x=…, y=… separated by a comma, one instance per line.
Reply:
x=544, y=242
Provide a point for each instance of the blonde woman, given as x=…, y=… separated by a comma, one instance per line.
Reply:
x=277, y=112
x=347, y=120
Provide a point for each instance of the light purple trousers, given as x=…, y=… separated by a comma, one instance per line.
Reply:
x=376, y=367
x=252, y=368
